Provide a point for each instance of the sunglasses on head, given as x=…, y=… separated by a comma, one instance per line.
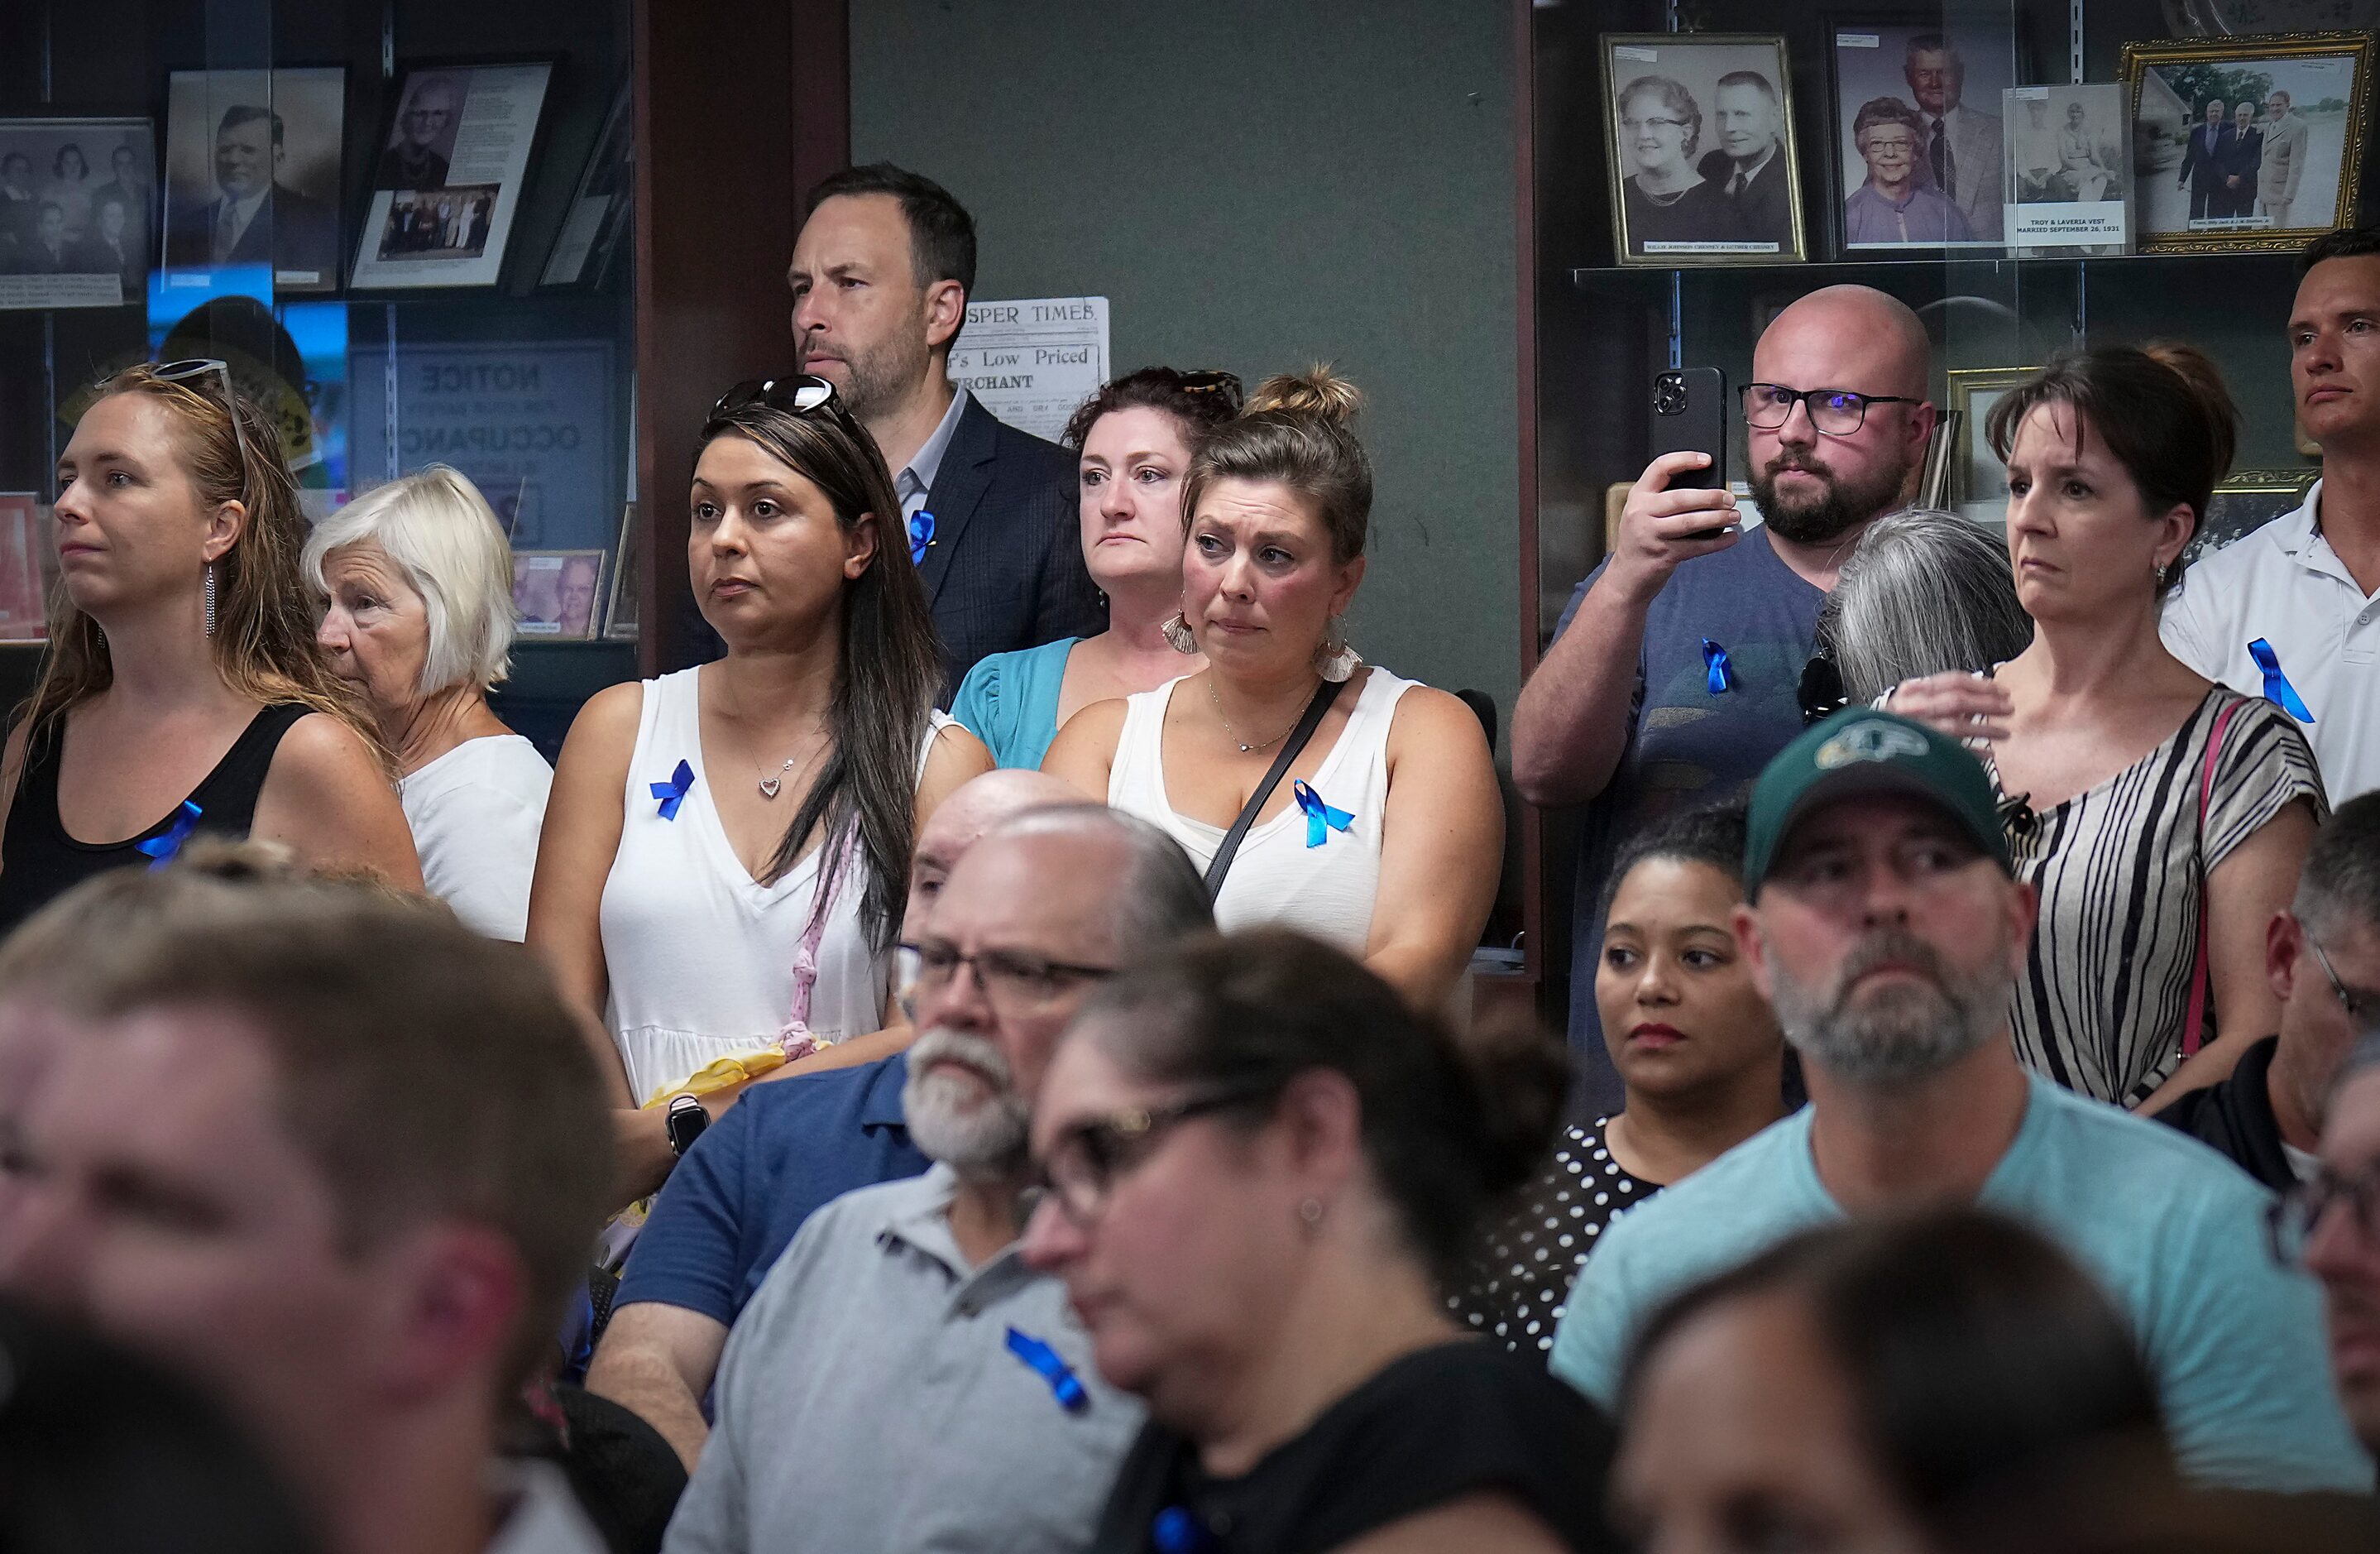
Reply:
x=1212, y=381
x=800, y=394
x=181, y=373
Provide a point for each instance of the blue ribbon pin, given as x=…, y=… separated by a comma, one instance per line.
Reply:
x=2276, y=685
x=1065, y=1384
x=1320, y=817
x=1176, y=1531
x=921, y=534
x=1718, y=673
x=161, y=849
x=673, y=793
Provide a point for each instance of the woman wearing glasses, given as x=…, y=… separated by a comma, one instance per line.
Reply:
x=1665, y=199
x=1261, y=1163
x=1135, y=438
x=722, y=871
x=1384, y=835
x=182, y=691
x=2163, y=821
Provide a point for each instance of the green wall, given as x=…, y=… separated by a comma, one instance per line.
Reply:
x=1255, y=186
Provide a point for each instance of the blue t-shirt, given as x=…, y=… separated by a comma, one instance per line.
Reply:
x=2174, y=1232
x=1010, y=702
x=1688, y=743
x=782, y=1151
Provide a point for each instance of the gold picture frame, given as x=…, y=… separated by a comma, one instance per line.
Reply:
x=2160, y=75
x=1694, y=63
x=1971, y=393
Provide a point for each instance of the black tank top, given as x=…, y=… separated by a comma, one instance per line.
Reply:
x=40, y=861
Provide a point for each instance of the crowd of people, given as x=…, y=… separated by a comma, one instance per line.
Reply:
x=807, y=1117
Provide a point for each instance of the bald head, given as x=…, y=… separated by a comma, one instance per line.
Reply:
x=973, y=809
x=1845, y=337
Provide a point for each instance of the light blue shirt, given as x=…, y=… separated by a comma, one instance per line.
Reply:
x=1010, y=702
x=915, y=479
x=2174, y=1232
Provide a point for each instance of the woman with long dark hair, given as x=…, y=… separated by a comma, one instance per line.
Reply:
x=182, y=691
x=721, y=872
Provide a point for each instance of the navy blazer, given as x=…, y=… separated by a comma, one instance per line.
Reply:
x=1005, y=567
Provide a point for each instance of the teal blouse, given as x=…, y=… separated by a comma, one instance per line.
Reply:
x=1010, y=702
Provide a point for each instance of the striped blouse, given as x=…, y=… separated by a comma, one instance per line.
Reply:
x=2121, y=872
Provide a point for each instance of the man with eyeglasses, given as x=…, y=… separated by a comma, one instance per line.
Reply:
x=744, y=1183
x=1676, y=671
x=2322, y=959
x=2331, y=1224
x=414, y=162
x=1885, y=924
x=904, y=1380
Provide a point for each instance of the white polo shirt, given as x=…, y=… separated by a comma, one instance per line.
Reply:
x=2283, y=583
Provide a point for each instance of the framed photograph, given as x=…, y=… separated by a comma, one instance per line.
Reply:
x=1700, y=141
x=2245, y=501
x=599, y=218
x=78, y=198
x=558, y=592
x=1917, y=153
x=447, y=176
x=1978, y=478
x=252, y=164
x=23, y=587
x=2247, y=143
x=620, y=614
x=2067, y=171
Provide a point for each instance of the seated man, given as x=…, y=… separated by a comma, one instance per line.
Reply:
x=2343, y=1249
x=2323, y=957
x=1884, y=924
x=903, y=1380
x=779, y=1152
x=339, y=1160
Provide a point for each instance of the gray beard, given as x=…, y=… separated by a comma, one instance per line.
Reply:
x=952, y=1120
x=1899, y=1034
x=882, y=378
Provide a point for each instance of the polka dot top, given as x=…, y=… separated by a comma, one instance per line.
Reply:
x=1519, y=1272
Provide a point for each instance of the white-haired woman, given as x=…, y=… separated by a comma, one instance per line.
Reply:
x=419, y=578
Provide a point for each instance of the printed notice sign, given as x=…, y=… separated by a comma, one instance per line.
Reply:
x=1032, y=362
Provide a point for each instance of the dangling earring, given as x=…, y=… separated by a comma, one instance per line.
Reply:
x=1177, y=636
x=211, y=599
x=1335, y=661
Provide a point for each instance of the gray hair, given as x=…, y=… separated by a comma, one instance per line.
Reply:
x=1160, y=895
x=1925, y=592
x=440, y=533
x=2341, y=877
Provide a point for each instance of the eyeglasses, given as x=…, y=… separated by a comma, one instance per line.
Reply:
x=1013, y=982
x=2361, y=1007
x=2291, y=1219
x=1822, y=693
x=1835, y=412
x=181, y=373
x=1638, y=125
x=802, y=394
x=1087, y=1157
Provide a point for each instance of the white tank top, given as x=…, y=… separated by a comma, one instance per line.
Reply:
x=1327, y=890
x=700, y=955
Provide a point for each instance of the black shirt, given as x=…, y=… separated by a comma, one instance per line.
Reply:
x=1437, y=1425
x=2235, y=1115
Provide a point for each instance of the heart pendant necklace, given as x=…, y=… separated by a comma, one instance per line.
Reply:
x=771, y=785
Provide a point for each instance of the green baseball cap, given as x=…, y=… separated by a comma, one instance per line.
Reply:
x=1858, y=752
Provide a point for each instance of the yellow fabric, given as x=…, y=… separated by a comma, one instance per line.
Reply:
x=722, y=1074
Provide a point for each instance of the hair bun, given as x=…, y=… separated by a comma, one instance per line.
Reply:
x=2205, y=380
x=1317, y=394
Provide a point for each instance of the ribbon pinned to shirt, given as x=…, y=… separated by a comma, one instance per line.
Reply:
x=673, y=793
x=1320, y=819
x=161, y=849
x=2276, y=685
x=921, y=534
x=1177, y=1531
x=1718, y=673
x=1065, y=1384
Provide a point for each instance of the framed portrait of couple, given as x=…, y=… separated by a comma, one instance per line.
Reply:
x=1700, y=140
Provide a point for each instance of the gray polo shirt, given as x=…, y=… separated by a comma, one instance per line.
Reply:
x=868, y=1398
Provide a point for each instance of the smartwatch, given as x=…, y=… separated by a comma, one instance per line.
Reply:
x=683, y=1123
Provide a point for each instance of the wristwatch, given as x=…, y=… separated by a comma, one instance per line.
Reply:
x=683, y=1123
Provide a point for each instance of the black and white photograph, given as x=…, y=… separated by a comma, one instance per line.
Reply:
x=447, y=175
x=1700, y=138
x=75, y=202
x=253, y=172
x=2247, y=143
x=2068, y=172
x=1917, y=111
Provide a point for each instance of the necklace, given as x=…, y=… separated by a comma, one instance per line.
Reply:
x=770, y=785
x=1231, y=735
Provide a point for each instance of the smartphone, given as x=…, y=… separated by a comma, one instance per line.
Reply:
x=1690, y=416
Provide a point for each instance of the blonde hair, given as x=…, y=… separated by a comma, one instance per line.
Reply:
x=1294, y=431
x=444, y=537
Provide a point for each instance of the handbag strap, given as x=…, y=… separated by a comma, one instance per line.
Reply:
x=1308, y=721
x=2194, y=1019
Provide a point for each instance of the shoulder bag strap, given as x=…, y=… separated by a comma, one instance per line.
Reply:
x=2193, y=1020
x=1310, y=720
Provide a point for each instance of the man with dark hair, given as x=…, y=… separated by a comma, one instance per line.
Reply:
x=340, y=1159
x=1885, y=924
x=256, y=219
x=129, y=184
x=1748, y=165
x=2322, y=957
x=2284, y=166
x=109, y=249
x=2291, y=609
x=46, y=254
x=880, y=277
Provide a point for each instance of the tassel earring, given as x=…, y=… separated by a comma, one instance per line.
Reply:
x=1335, y=661
x=211, y=599
x=1177, y=634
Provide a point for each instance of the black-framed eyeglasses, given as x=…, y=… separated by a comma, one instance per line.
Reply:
x=802, y=394
x=1086, y=1159
x=181, y=372
x=2291, y=1219
x=1012, y=979
x=1822, y=694
x=2361, y=1006
x=1835, y=412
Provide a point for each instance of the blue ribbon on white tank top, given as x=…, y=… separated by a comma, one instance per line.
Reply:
x=673, y=793
x=1320, y=819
